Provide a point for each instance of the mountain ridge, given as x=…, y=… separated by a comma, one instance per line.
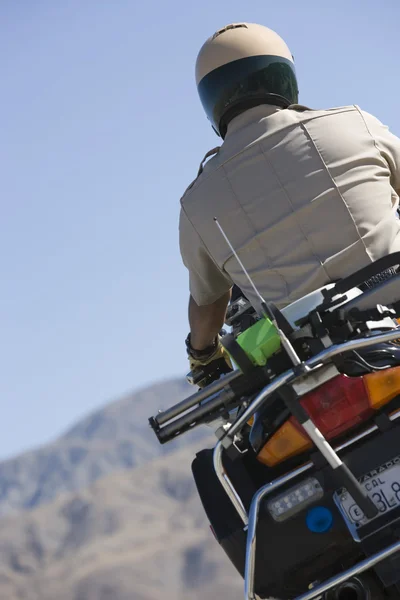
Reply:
x=116, y=436
x=105, y=512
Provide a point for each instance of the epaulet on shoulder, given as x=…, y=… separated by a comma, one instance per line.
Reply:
x=299, y=107
x=212, y=152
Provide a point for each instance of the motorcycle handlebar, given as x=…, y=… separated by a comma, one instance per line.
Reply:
x=228, y=392
x=195, y=417
x=165, y=416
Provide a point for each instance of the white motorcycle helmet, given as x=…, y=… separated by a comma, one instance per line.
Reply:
x=241, y=66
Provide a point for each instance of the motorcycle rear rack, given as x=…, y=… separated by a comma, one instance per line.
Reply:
x=250, y=520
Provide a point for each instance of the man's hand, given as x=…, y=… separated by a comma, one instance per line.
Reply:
x=209, y=364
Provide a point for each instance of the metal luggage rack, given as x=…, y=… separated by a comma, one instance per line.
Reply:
x=250, y=520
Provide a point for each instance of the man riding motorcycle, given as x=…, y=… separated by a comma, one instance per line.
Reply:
x=305, y=196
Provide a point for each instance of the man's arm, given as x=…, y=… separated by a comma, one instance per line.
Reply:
x=210, y=292
x=206, y=321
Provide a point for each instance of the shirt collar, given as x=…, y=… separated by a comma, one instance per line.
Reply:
x=251, y=116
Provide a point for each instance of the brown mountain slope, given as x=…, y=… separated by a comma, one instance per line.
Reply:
x=107, y=513
x=138, y=534
x=113, y=438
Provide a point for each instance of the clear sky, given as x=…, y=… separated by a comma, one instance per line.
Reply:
x=101, y=131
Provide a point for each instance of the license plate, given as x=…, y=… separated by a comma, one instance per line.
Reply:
x=381, y=485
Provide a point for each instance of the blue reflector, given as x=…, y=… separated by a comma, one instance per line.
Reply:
x=319, y=519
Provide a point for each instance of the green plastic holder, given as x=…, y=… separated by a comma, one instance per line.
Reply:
x=260, y=341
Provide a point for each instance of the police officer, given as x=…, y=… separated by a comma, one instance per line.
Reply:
x=305, y=196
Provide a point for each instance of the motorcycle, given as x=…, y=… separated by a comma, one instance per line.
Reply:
x=302, y=489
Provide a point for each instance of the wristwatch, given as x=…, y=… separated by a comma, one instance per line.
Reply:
x=201, y=354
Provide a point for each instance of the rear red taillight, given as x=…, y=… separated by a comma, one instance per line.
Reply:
x=335, y=407
x=338, y=405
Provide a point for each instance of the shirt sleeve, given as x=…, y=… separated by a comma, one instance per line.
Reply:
x=388, y=145
x=207, y=282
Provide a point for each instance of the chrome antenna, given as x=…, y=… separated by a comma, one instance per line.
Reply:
x=266, y=311
x=241, y=264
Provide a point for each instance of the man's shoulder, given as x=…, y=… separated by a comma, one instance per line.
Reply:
x=315, y=112
x=211, y=160
x=207, y=161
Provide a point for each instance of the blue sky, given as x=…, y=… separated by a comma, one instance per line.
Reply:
x=101, y=132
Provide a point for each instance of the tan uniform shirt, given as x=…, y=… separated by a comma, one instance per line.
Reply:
x=305, y=197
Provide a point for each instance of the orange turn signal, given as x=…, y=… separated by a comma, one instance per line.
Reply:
x=285, y=443
x=382, y=386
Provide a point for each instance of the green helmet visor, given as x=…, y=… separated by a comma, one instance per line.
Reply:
x=254, y=79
